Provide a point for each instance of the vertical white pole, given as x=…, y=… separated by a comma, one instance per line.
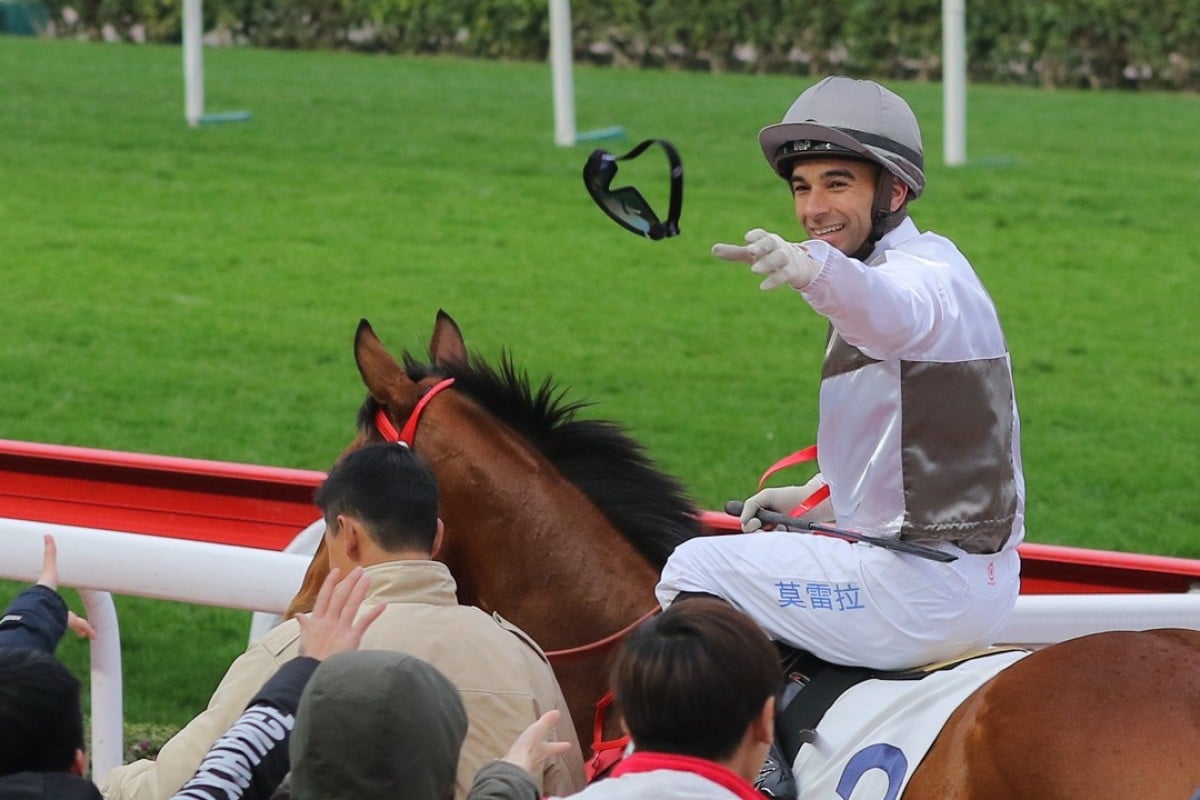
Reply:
x=108, y=694
x=193, y=62
x=954, y=81
x=561, y=56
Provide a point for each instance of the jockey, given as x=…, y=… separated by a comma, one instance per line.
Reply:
x=918, y=435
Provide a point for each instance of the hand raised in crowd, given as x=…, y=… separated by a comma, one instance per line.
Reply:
x=49, y=578
x=331, y=626
x=531, y=750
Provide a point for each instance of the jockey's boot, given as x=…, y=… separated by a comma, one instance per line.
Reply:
x=775, y=778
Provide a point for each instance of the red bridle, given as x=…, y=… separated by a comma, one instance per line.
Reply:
x=406, y=436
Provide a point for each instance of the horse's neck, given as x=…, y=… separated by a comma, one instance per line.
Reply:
x=523, y=541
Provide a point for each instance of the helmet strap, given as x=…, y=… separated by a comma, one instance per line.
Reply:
x=882, y=217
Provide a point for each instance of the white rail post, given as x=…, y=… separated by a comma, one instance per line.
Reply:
x=108, y=690
x=561, y=58
x=193, y=62
x=954, y=81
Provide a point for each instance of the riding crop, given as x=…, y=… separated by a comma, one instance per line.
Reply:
x=734, y=507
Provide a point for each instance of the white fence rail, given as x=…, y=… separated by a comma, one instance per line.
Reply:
x=98, y=561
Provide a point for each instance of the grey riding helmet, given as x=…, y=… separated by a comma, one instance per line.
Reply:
x=844, y=116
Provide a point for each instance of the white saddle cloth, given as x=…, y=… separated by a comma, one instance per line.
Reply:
x=875, y=735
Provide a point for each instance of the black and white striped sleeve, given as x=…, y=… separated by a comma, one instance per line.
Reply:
x=251, y=759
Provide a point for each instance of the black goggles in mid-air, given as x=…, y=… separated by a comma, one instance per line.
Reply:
x=625, y=204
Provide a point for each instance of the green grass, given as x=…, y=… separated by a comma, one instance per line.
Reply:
x=195, y=292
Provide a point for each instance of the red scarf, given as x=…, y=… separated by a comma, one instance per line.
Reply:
x=711, y=770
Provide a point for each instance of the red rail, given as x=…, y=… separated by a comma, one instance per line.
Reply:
x=265, y=507
x=183, y=498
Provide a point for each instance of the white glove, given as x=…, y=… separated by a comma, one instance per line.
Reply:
x=783, y=499
x=768, y=254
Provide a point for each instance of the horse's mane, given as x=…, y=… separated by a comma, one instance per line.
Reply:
x=650, y=507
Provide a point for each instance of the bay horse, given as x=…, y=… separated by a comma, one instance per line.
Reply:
x=562, y=525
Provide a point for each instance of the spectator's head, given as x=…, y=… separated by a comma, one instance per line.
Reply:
x=844, y=138
x=379, y=503
x=700, y=679
x=41, y=723
x=376, y=725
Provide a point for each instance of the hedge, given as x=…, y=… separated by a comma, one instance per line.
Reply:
x=1053, y=43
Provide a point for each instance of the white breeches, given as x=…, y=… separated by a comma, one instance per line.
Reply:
x=849, y=603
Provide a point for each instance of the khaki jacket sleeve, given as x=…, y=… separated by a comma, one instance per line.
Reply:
x=565, y=774
x=179, y=757
x=496, y=720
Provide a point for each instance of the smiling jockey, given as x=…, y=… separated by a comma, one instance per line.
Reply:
x=918, y=437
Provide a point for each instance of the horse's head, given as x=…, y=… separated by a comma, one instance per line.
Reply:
x=392, y=390
x=391, y=410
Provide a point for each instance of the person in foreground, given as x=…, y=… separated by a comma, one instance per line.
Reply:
x=42, y=755
x=376, y=725
x=918, y=435
x=380, y=509
x=696, y=686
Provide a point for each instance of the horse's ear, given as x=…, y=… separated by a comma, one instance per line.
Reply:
x=446, y=346
x=375, y=364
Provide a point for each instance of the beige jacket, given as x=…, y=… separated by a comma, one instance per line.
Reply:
x=504, y=678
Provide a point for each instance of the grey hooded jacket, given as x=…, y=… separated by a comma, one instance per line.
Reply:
x=376, y=725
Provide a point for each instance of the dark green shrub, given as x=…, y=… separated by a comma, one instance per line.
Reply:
x=1077, y=43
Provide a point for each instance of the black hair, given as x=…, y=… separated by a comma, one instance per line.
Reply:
x=41, y=722
x=390, y=489
x=691, y=680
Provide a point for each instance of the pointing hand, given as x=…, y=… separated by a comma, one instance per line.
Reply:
x=768, y=254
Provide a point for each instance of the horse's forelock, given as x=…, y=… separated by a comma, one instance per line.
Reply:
x=366, y=414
